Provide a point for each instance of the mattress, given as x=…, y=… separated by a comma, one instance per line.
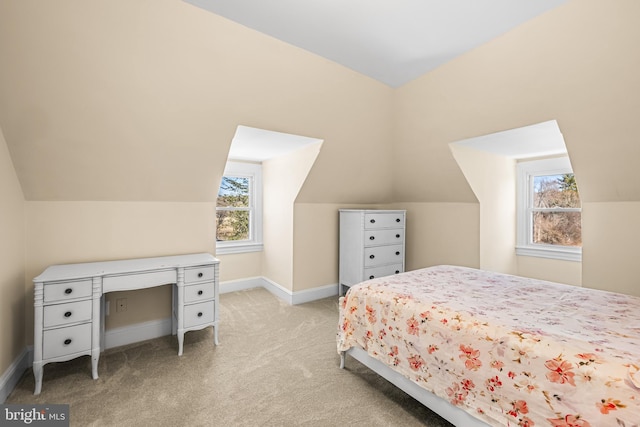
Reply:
x=509, y=350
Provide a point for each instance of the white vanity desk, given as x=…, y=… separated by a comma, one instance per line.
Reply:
x=68, y=316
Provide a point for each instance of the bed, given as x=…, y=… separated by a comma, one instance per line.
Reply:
x=483, y=348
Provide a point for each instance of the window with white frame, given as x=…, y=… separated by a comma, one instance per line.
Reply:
x=239, y=209
x=549, y=210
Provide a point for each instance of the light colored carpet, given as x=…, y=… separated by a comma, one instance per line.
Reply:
x=276, y=365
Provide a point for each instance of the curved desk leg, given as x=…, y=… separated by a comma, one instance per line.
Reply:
x=95, y=356
x=215, y=335
x=37, y=373
x=180, y=341
x=342, y=357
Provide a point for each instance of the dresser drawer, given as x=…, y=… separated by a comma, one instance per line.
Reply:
x=198, y=314
x=383, y=220
x=385, y=270
x=61, y=291
x=383, y=237
x=378, y=255
x=199, y=292
x=199, y=274
x=63, y=341
x=64, y=314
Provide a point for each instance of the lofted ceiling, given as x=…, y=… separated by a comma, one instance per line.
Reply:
x=391, y=41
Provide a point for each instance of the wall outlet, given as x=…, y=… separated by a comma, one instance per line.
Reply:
x=121, y=304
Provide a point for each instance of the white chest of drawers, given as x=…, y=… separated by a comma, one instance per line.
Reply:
x=372, y=244
x=68, y=321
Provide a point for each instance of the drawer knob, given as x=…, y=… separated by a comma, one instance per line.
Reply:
x=200, y=274
x=372, y=256
x=397, y=219
x=397, y=271
x=373, y=221
x=397, y=236
x=200, y=292
x=67, y=314
x=67, y=341
x=372, y=238
x=371, y=277
x=200, y=314
x=397, y=252
x=68, y=291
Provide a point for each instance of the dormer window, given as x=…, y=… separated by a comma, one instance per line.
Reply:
x=549, y=210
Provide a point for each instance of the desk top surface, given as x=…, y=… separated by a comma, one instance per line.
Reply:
x=134, y=265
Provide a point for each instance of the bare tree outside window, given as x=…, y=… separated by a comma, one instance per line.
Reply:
x=556, y=212
x=233, y=209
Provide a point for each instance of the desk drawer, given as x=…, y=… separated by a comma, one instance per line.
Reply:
x=63, y=341
x=198, y=314
x=199, y=274
x=63, y=314
x=129, y=282
x=61, y=291
x=199, y=292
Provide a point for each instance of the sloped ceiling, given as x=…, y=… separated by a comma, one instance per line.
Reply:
x=130, y=101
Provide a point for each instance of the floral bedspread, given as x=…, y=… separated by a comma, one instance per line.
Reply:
x=511, y=351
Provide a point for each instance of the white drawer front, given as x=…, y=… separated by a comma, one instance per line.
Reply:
x=129, y=282
x=383, y=220
x=198, y=314
x=199, y=292
x=385, y=270
x=378, y=255
x=60, y=291
x=63, y=341
x=383, y=237
x=198, y=274
x=63, y=314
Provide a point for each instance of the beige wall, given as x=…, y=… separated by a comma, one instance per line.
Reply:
x=611, y=232
x=315, y=245
x=283, y=177
x=14, y=295
x=240, y=266
x=139, y=101
x=576, y=64
x=493, y=180
x=553, y=270
x=441, y=233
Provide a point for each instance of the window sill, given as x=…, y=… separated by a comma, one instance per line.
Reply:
x=543, y=251
x=237, y=248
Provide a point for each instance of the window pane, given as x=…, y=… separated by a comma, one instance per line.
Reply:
x=555, y=191
x=232, y=225
x=233, y=192
x=557, y=228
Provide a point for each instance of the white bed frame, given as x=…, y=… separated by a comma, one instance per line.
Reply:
x=446, y=410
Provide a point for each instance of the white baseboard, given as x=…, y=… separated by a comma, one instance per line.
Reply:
x=321, y=292
x=138, y=332
x=241, y=284
x=293, y=298
x=12, y=375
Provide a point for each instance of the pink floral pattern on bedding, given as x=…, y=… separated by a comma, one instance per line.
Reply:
x=511, y=351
